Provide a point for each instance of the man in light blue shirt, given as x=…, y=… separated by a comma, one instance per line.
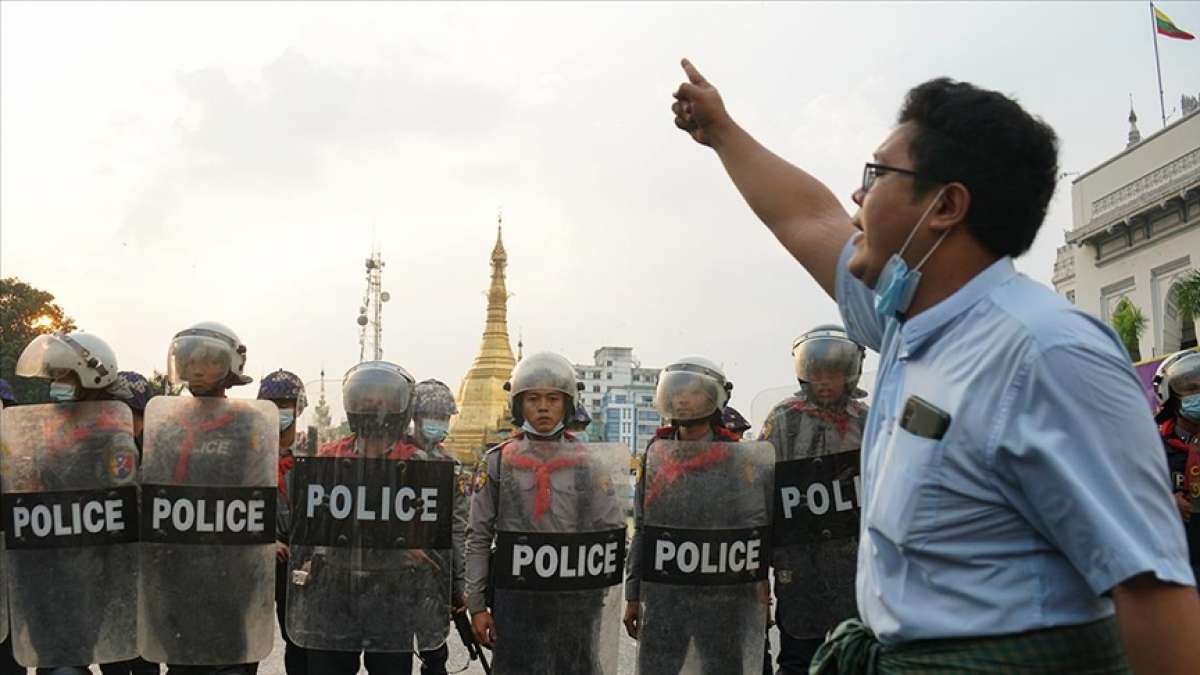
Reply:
x=1013, y=487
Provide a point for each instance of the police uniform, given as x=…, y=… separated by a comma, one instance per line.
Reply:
x=556, y=494
x=103, y=434
x=371, y=577
x=696, y=625
x=814, y=581
x=1183, y=462
x=212, y=446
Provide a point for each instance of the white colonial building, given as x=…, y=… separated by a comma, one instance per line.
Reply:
x=1136, y=232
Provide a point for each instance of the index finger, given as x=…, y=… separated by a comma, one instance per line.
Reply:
x=694, y=75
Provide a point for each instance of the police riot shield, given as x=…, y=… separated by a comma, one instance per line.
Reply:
x=560, y=550
x=816, y=513
x=3, y=592
x=704, y=555
x=371, y=564
x=71, y=523
x=206, y=589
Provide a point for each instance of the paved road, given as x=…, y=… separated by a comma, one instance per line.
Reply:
x=458, y=657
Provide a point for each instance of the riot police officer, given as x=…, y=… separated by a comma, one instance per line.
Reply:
x=371, y=589
x=201, y=452
x=537, y=486
x=286, y=390
x=1177, y=387
x=817, y=434
x=431, y=424
x=76, y=443
x=692, y=478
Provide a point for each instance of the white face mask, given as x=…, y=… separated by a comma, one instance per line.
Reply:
x=528, y=428
x=62, y=392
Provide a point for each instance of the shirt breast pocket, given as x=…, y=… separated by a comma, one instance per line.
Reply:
x=906, y=477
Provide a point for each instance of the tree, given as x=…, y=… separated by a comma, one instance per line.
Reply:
x=1186, y=296
x=1129, y=323
x=333, y=433
x=25, y=313
x=160, y=385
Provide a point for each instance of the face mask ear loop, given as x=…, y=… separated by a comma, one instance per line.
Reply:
x=921, y=222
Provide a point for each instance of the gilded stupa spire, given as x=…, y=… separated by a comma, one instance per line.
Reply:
x=484, y=417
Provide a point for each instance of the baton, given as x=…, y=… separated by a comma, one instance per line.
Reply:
x=467, y=635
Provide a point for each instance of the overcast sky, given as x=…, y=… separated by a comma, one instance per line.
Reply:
x=168, y=163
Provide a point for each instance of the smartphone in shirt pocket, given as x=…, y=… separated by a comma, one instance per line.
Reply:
x=922, y=418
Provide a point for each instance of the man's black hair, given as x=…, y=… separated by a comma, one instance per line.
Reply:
x=1007, y=158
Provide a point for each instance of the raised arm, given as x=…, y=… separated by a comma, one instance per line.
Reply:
x=798, y=209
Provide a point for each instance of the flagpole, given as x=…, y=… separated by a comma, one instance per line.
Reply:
x=1162, y=107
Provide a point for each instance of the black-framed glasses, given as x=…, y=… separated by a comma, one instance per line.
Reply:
x=872, y=172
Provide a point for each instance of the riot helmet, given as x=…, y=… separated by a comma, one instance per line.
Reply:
x=53, y=357
x=280, y=387
x=378, y=397
x=1177, y=384
x=692, y=389
x=207, y=357
x=141, y=390
x=1160, y=381
x=828, y=364
x=434, y=399
x=580, y=421
x=79, y=365
x=734, y=421
x=433, y=409
x=544, y=370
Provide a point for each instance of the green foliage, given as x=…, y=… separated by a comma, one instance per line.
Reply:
x=159, y=384
x=1129, y=323
x=1186, y=296
x=25, y=313
x=333, y=433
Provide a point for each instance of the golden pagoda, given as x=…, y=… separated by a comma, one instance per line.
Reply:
x=483, y=416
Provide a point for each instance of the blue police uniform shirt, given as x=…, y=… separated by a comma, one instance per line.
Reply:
x=1048, y=488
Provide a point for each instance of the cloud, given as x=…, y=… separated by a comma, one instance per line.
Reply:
x=277, y=127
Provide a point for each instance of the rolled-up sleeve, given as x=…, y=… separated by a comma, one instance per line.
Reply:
x=856, y=303
x=1075, y=450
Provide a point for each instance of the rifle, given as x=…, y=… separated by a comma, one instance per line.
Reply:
x=474, y=650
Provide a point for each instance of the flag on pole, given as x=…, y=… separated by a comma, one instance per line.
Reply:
x=1164, y=26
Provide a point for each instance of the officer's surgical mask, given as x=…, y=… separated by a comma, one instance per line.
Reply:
x=529, y=429
x=435, y=430
x=287, y=417
x=1189, y=407
x=62, y=392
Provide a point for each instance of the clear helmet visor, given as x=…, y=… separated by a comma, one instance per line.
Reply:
x=377, y=390
x=1183, y=376
x=826, y=358
x=201, y=362
x=688, y=395
x=47, y=357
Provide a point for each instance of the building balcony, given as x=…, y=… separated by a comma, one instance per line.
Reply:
x=1064, y=264
x=1172, y=180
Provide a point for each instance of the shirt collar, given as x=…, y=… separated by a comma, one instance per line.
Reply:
x=916, y=332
